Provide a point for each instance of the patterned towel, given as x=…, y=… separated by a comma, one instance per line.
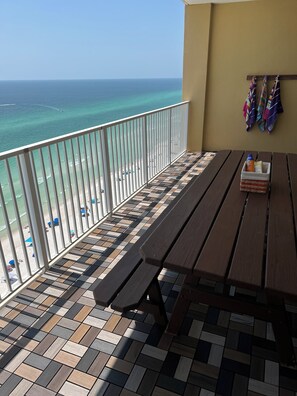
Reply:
x=262, y=105
x=249, y=108
x=274, y=106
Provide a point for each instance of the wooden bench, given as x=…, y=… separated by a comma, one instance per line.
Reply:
x=133, y=283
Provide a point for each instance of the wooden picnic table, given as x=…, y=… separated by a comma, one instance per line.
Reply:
x=218, y=233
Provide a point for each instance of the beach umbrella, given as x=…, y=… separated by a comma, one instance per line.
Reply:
x=29, y=242
x=262, y=105
x=274, y=106
x=249, y=107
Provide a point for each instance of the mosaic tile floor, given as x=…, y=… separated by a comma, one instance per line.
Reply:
x=55, y=341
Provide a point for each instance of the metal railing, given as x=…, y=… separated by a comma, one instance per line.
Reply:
x=55, y=191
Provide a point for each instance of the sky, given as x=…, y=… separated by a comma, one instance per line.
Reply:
x=91, y=39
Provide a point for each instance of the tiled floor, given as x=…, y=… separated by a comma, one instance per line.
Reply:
x=55, y=341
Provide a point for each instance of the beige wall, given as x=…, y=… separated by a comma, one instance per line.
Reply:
x=223, y=44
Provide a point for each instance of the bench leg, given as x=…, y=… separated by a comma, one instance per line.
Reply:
x=156, y=300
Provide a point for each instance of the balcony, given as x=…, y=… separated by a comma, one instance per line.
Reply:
x=54, y=340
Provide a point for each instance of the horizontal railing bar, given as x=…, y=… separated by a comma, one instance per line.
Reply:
x=111, y=161
x=71, y=135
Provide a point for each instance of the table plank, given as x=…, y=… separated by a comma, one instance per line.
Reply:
x=184, y=253
x=157, y=244
x=247, y=264
x=281, y=261
x=214, y=258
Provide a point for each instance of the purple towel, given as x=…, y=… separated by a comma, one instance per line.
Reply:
x=262, y=105
x=249, y=108
x=274, y=106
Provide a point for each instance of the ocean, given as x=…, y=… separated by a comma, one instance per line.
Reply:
x=32, y=111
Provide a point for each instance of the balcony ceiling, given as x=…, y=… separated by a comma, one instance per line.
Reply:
x=191, y=2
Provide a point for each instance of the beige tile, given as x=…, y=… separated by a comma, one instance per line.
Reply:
x=96, y=322
x=80, y=333
x=82, y=379
x=74, y=348
x=112, y=323
x=28, y=372
x=50, y=324
x=83, y=313
x=55, y=348
x=109, y=337
x=31, y=345
x=119, y=365
x=74, y=390
x=67, y=358
x=22, y=388
x=17, y=360
x=4, y=346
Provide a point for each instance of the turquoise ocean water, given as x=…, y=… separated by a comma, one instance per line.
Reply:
x=32, y=111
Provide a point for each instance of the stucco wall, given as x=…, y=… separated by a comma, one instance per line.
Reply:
x=223, y=44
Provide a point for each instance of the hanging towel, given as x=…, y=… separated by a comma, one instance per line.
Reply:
x=274, y=106
x=262, y=105
x=249, y=108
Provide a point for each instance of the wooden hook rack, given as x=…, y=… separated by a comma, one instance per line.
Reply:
x=272, y=76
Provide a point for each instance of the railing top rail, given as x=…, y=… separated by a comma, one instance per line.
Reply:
x=71, y=135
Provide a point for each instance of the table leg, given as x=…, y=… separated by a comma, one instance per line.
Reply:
x=181, y=307
x=281, y=330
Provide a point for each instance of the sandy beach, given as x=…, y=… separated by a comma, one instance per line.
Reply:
x=74, y=221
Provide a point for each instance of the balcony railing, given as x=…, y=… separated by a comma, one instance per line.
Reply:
x=54, y=192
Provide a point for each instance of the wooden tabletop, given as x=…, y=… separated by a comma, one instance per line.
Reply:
x=220, y=233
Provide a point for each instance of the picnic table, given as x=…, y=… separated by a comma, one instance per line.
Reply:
x=234, y=240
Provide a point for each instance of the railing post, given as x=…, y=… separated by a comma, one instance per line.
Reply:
x=34, y=209
x=106, y=171
x=186, y=133
x=145, y=150
x=169, y=138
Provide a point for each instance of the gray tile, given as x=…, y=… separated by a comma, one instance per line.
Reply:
x=87, y=360
x=37, y=361
x=103, y=346
x=7, y=388
x=48, y=374
x=24, y=319
x=37, y=390
x=148, y=383
x=99, y=313
x=62, y=332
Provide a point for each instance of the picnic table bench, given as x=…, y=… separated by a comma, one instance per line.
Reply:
x=233, y=238
x=132, y=283
x=213, y=231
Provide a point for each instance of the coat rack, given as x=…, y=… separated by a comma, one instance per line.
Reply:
x=272, y=76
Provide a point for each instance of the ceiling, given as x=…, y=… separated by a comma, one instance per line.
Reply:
x=190, y=2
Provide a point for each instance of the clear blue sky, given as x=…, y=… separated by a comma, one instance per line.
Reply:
x=78, y=39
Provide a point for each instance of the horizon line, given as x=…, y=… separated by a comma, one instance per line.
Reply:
x=94, y=79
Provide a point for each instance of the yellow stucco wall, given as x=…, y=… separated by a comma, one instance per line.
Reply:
x=223, y=44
